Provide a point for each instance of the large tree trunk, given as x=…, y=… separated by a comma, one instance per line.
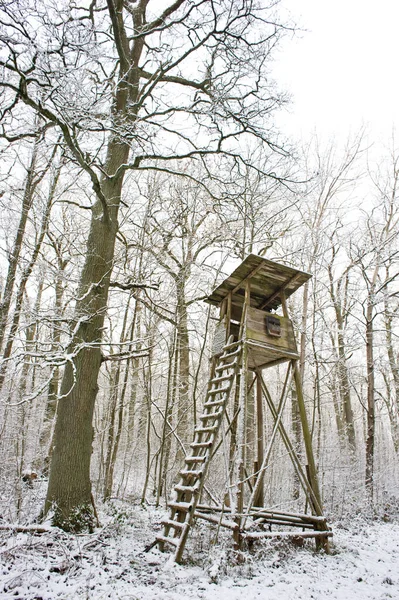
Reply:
x=69, y=489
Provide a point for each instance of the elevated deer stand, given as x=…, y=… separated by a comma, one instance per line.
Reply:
x=249, y=338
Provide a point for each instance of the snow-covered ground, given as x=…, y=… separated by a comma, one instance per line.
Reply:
x=111, y=563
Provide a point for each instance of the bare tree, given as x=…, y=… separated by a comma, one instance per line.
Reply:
x=377, y=250
x=189, y=82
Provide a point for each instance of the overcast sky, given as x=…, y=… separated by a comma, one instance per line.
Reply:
x=344, y=70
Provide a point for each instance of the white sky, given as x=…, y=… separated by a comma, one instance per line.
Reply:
x=344, y=70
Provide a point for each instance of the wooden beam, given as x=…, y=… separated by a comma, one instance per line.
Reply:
x=260, y=450
x=277, y=416
x=286, y=534
x=278, y=293
x=249, y=276
x=306, y=486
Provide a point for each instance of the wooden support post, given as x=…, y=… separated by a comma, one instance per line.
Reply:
x=304, y=481
x=307, y=438
x=278, y=418
x=250, y=433
x=228, y=317
x=259, y=497
x=242, y=418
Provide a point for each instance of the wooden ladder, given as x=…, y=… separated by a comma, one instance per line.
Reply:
x=187, y=492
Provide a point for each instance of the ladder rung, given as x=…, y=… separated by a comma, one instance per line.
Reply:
x=201, y=444
x=171, y=523
x=213, y=403
x=191, y=473
x=222, y=378
x=231, y=344
x=173, y=541
x=221, y=390
x=226, y=366
x=207, y=429
x=195, y=459
x=186, y=488
x=230, y=354
x=214, y=415
x=180, y=506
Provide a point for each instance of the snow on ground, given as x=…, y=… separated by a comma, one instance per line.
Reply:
x=111, y=563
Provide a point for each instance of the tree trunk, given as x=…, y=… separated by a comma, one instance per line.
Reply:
x=69, y=489
x=31, y=182
x=116, y=414
x=25, y=277
x=184, y=427
x=393, y=406
x=370, y=437
x=53, y=388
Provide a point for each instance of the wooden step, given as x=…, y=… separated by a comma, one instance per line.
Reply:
x=164, y=539
x=229, y=355
x=190, y=473
x=195, y=459
x=201, y=444
x=214, y=415
x=230, y=365
x=231, y=345
x=181, y=506
x=211, y=429
x=221, y=390
x=220, y=379
x=213, y=403
x=191, y=489
x=171, y=523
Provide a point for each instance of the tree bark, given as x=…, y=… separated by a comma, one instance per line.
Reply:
x=183, y=407
x=370, y=437
x=393, y=406
x=69, y=489
x=31, y=182
x=69, y=492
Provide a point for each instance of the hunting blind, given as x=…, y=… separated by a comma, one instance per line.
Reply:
x=231, y=434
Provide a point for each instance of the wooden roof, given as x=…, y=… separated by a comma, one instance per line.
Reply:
x=268, y=280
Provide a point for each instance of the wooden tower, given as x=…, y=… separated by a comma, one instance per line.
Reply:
x=250, y=337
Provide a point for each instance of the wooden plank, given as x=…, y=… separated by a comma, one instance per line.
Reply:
x=216, y=520
x=266, y=277
x=248, y=276
x=257, y=331
x=278, y=292
x=219, y=339
x=286, y=534
x=283, y=523
x=256, y=512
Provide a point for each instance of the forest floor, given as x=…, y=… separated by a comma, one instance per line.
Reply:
x=112, y=563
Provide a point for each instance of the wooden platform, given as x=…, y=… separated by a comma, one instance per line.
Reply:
x=268, y=280
x=264, y=349
x=302, y=526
